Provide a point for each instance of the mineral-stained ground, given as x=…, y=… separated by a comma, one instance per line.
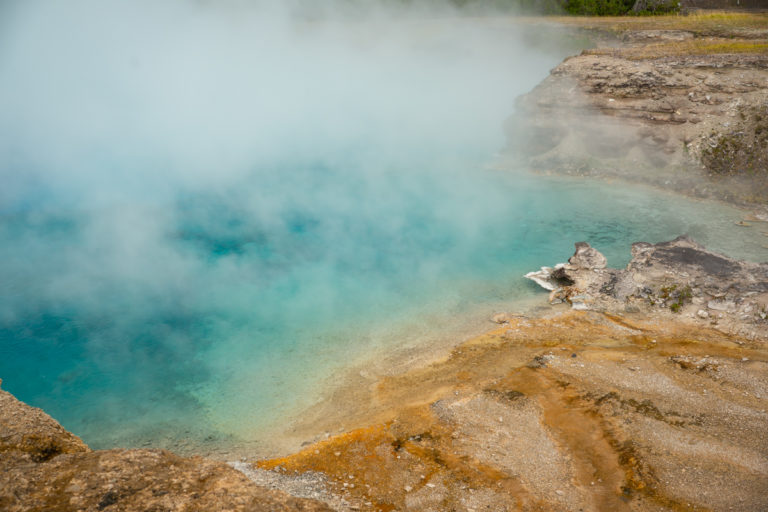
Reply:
x=580, y=411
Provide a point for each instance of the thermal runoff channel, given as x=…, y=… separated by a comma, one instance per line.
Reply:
x=209, y=209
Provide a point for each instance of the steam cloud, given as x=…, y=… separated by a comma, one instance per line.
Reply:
x=170, y=169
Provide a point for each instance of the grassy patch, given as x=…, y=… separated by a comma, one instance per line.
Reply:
x=710, y=23
x=706, y=46
x=674, y=297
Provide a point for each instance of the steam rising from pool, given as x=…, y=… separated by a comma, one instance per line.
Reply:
x=208, y=208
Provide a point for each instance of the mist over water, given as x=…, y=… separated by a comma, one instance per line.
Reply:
x=207, y=208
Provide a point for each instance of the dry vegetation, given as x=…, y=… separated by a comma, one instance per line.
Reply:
x=703, y=46
x=703, y=33
x=713, y=24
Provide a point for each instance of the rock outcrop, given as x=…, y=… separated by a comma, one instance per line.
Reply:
x=29, y=434
x=679, y=276
x=45, y=468
x=587, y=257
x=693, y=122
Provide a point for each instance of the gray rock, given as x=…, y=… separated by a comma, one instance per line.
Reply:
x=587, y=257
x=676, y=276
x=655, y=5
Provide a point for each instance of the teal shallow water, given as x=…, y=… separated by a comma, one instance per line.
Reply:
x=231, y=322
x=207, y=213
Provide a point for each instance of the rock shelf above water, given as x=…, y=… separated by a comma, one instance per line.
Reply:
x=679, y=276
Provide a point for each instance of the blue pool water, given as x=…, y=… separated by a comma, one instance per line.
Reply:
x=205, y=215
x=216, y=321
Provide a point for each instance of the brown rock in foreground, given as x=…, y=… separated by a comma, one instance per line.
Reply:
x=45, y=468
x=27, y=432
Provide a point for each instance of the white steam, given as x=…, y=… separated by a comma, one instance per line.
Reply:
x=168, y=163
x=111, y=99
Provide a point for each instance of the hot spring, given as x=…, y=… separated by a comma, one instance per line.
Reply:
x=209, y=211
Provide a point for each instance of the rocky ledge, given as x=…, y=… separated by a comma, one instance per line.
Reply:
x=679, y=277
x=654, y=106
x=45, y=468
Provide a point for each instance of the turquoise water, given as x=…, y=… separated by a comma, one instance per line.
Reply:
x=233, y=320
x=201, y=224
